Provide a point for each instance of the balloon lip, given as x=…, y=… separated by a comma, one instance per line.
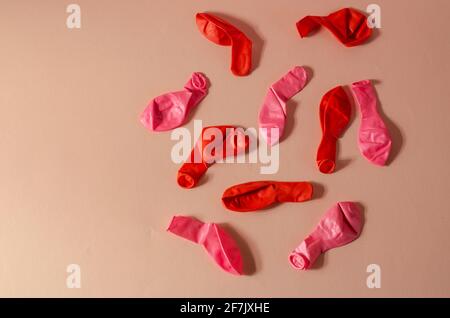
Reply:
x=299, y=261
x=326, y=166
x=199, y=81
x=185, y=180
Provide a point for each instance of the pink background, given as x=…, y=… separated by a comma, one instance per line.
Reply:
x=83, y=182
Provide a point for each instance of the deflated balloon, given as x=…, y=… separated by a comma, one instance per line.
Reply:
x=339, y=226
x=335, y=111
x=171, y=110
x=252, y=196
x=348, y=25
x=374, y=140
x=224, y=33
x=219, y=245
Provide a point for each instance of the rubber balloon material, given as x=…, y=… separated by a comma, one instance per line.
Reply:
x=224, y=33
x=208, y=150
x=340, y=225
x=219, y=245
x=348, y=25
x=335, y=112
x=273, y=111
x=258, y=195
x=374, y=140
x=171, y=110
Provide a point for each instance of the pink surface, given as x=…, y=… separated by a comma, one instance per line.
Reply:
x=374, y=140
x=82, y=182
x=340, y=225
x=273, y=111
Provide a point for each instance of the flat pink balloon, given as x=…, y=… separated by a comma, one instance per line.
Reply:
x=339, y=226
x=374, y=140
x=170, y=110
x=273, y=110
x=219, y=245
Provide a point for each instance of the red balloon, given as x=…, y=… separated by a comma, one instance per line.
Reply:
x=252, y=196
x=202, y=158
x=348, y=25
x=335, y=111
x=223, y=33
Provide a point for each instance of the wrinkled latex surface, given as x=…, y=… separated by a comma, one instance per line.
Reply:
x=348, y=25
x=374, y=140
x=191, y=171
x=170, y=110
x=219, y=245
x=273, y=110
x=223, y=33
x=252, y=196
x=335, y=111
x=341, y=224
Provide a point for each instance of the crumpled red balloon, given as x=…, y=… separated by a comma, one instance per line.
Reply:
x=252, y=196
x=201, y=158
x=348, y=25
x=219, y=245
x=223, y=33
x=335, y=111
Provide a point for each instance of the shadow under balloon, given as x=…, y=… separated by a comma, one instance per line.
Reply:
x=249, y=31
x=375, y=34
x=318, y=190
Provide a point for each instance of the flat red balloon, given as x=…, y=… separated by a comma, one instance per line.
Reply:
x=252, y=196
x=335, y=111
x=208, y=150
x=224, y=33
x=348, y=25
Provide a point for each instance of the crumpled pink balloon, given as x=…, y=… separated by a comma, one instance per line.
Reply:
x=374, y=140
x=170, y=110
x=273, y=110
x=219, y=245
x=339, y=226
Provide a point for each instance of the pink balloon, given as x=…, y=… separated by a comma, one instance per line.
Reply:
x=170, y=110
x=219, y=245
x=374, y=140
x=273, y=110
x=339, y=226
